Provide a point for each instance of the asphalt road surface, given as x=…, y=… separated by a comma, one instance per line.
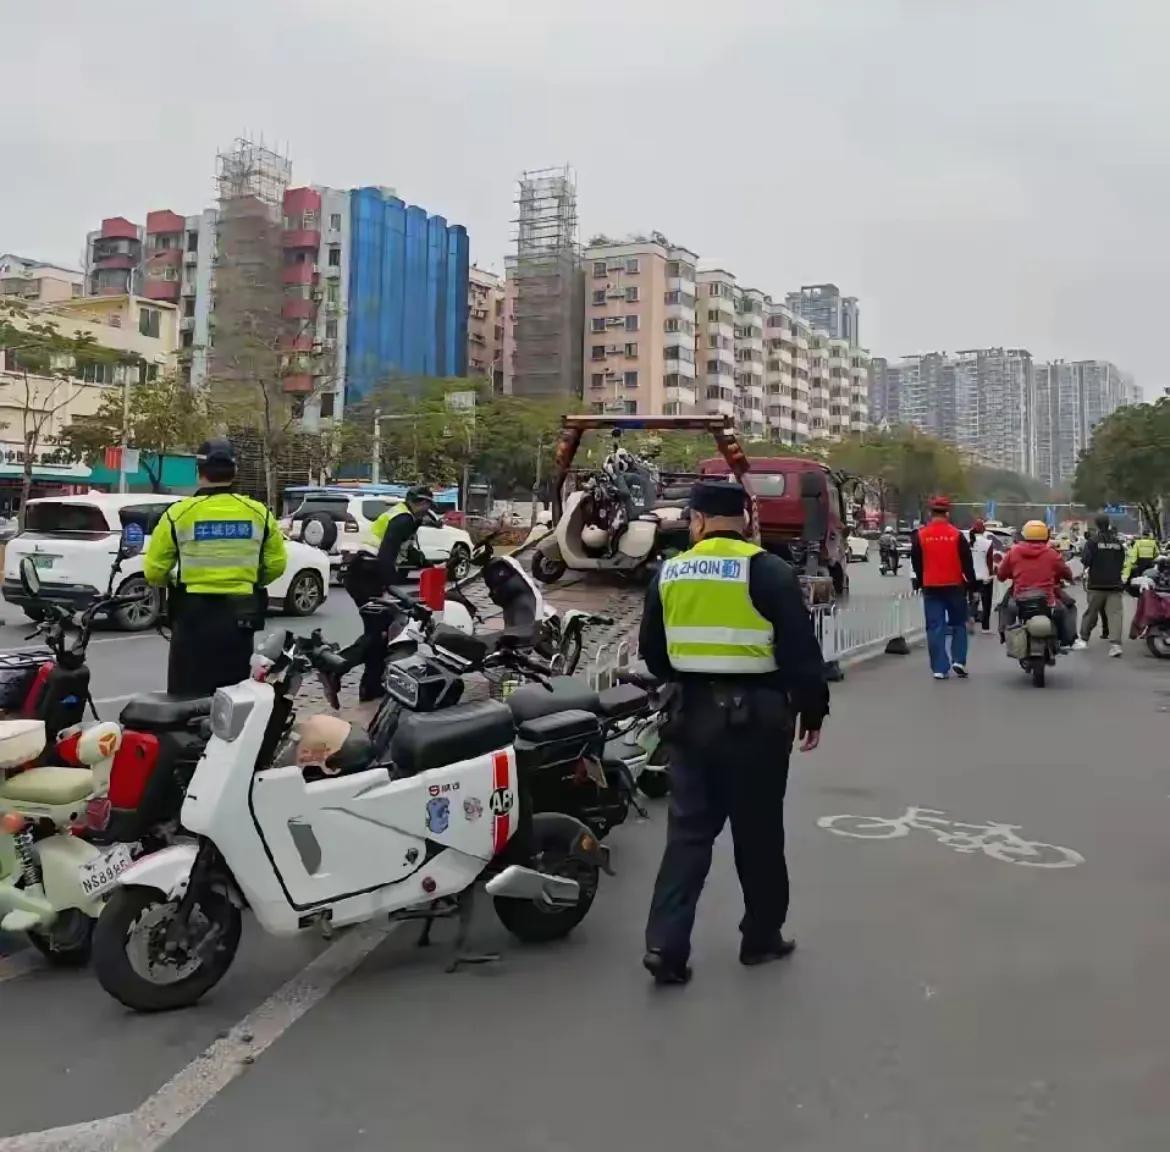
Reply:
x=958, y=985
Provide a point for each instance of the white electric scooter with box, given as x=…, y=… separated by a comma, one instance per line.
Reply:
x=297, y=822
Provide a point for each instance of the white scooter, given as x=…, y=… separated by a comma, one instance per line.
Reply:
x=298, y=823
x=51, y=882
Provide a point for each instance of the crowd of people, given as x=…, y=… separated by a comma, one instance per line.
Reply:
x=956, y=573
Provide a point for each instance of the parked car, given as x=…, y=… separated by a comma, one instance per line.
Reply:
x=905, y=542
x=72, y=541
x=335, y=524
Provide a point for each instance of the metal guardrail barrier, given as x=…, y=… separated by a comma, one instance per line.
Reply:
x=845, y=628
x=857, y=625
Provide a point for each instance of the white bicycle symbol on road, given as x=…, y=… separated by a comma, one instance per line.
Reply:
x=999, y=841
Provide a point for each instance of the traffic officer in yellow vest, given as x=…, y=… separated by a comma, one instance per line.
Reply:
x=218, y=550
x=726, y=621
x=1141, y=556
x=380, y=564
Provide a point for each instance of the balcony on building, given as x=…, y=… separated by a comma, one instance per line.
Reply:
x=298, y=383
x=299, y=309
x=301, y=272
x=119, y=228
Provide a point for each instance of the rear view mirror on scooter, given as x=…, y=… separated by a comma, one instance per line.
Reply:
x=30, y=578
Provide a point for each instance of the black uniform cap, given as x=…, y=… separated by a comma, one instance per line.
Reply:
x=419, y=492
x=718, y=498
x=218, y=450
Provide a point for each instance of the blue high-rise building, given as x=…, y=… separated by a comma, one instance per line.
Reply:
x=406, y=309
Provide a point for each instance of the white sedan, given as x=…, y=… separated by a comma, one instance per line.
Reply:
x=73, y=541
x=858, y=548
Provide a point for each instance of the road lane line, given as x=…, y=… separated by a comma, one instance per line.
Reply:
x=161, y=1115
x=102, y=1135
x=157, y=1119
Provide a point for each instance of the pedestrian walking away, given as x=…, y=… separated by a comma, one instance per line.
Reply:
x=215, y=552
x=385, y=553
x=726, y=621
x=984, y=557
x=943, y=572
x=1104, y=562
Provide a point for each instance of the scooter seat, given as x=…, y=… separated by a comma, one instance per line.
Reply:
x=426, y=740
x=50, y=786
x=158, y=710
x=568, y=694
x=622, y=700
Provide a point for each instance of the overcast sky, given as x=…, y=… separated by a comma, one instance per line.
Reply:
x=976, y=171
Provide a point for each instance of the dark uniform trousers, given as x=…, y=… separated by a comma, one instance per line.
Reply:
x=363, y=582
x=211, y=643
x=724, y=766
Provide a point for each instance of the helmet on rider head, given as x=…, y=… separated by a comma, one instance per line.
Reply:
x=1035, y=530
x=623, y=459
x=978, y=526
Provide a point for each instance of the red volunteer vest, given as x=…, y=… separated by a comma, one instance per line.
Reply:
x=941, y=567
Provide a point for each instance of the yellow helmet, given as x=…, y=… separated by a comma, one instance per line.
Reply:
x=1035, y=530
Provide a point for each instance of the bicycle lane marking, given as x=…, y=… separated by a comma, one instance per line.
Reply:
x=997, y=840
x=184, y=1095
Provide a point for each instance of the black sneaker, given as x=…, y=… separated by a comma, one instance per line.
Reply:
x=776, y=949
x=665, y=970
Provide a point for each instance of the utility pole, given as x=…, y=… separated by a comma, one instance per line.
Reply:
x=376, y=464
x=122, y=479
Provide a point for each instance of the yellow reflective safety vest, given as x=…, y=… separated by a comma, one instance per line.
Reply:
x=218, y=543
x=711, y=623
x=1143, y=548
x=371, y=539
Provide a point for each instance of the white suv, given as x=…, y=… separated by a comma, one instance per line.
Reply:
x=73, y=541
x=335, y=524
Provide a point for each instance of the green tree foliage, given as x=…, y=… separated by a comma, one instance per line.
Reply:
x=509, y=442
x=1128, y=461
x=164, y=416
x=903, y=467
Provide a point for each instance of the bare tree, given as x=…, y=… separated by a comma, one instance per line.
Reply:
x=264, y=362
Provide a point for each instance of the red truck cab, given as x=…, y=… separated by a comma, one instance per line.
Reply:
x=783, y=487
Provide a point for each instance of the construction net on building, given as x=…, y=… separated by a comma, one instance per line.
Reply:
x=548, y=286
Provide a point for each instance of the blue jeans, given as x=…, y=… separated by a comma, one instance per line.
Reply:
x=946, y=614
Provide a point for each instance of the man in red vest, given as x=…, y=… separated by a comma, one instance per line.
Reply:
x=943, y=572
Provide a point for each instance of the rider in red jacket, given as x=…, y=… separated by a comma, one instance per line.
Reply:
x=1033, y=565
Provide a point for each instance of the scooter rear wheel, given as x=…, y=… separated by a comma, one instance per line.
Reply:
x=68, y=944
x=128, y=931
x=547, y=570
x=534, y=923
x=1038, y=670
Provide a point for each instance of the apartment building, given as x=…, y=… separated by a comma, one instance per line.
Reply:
x=485, y=326
x=823, y=306
x=38, y=282
x=715, y=315
x=640, y=328
x=788, y=342
x=372, y=288
x=751, y=412
x=661, y=336
x=1068, y=401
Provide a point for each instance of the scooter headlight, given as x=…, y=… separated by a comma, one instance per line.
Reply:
x=228, y=715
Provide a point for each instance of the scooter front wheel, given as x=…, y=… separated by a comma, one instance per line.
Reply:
x=137, y=966
x=67, y=944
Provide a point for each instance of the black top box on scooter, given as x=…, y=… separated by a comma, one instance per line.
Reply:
x=622, y=700
x=559, y=738
x=426, y=740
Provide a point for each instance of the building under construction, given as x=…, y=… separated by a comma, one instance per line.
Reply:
x=545, y=289
x=247, y=325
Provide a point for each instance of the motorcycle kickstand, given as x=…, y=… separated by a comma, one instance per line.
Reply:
x=466, y=903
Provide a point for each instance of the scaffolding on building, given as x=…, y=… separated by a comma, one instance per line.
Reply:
x=548, y=295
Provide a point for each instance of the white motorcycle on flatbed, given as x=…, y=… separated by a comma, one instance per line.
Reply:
x=297, y=822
